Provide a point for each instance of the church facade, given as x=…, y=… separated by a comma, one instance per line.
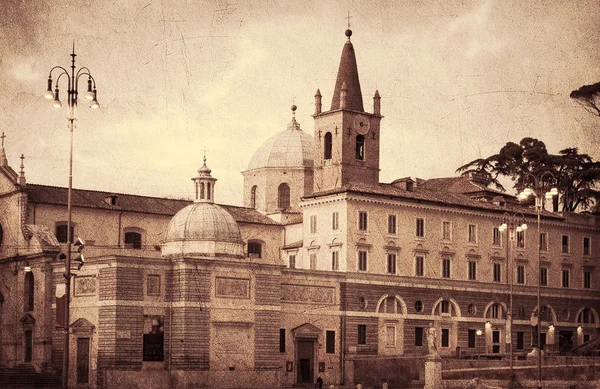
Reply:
x=323, y=267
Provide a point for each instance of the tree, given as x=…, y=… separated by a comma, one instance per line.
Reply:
x=576, y=175
x=589, y=97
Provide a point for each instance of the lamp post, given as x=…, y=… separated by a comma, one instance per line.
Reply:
x=72, y=93
x=540, y=181
x=513, y=224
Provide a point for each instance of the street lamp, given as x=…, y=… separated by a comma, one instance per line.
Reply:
x=72, y=93
x=541, y=181
x=513, y=224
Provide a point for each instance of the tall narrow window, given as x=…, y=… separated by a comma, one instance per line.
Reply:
x=565, y=244
x=420, y=228
x=253, y=197
x=543, y=276
x=543, y=241
x=133, y=240
x=153, y=338
x=586, y=246
x=445, y=307
x=282, y=340
x=362, y=221
x=362, y=260
x=566, y=278
x=445, y=337
x=284, y=196
x=419, y=266
x=313, y=224
x=330, y=342
x=418, y=336
x=587, y=279
x=327, y=146
x=496, y=237
x=208, y=190
x=472, y=270
x=521, y=239
x=471, y=339
x=391, y=263
x=445, y=268
x=362, y=334
x=292, y=261
x=29, y=291
x=313, y=261
x=392, y=224
x=335, y=260
x=335, y=221
x=497, y=277
x=520, y=340
x=202, y=190
x=446, y=231
x=360, y=147
x=520, y=274
x=472, y=233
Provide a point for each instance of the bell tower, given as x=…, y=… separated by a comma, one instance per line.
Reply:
x=346, y=137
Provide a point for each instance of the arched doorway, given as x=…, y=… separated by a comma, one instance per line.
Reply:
x=306, y=341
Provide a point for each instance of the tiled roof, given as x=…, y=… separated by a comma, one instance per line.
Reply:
x=459, y=185
x=44, y=194
x=420, y=194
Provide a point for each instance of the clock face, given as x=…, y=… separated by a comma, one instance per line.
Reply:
x=362, y=124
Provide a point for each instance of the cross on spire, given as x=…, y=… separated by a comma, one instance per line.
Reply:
x=204, y=150
x=3, y=136
x=348, y=18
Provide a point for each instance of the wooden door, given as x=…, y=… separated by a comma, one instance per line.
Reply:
x=83, y=360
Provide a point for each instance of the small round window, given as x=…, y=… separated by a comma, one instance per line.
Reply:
x=472, y=309
x=418, y=306
x=362, y=302
x=565, y=314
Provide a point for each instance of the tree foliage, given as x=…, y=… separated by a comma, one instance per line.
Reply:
x=575, y=175
x=589, y=97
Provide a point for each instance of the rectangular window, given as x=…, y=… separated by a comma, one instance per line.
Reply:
x=420, y=228
x=587, y=279
x=362, y=260
x=521, y=239
x=445, y=337
x=330, y=342
x=391, y=258
x=61, y=233
x=497, y=272
x=472, y=233
x=446, y=231
x=362, y=221
x=520, y=340
x=335, y=221
x=313, y=224
x=392, y=224
x=362, y=334
x=520, y=274
x=292, y=261
x=566, y=276
x=335, y=260
x=543, y=241
x=586, y=246
x=471, y=339
x=472, y=270
x=496, y=237
x=282, y=340
x=418, y=336
x=313, y=261
x=565, y=244
x=445, y=268
x=494, y=311
x=544, y=276
x=445, y=307
x=419, y=266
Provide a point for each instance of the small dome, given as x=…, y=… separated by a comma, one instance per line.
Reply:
x=203, y=228
x=290, y=148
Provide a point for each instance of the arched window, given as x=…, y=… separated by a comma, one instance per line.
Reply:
x=202, y=191
x=254, y=249
x=29, y=291
x=360, y=147
x=284, y=196
x=253, y=197
x=585, y=316
x=133, y=240
x=208, y=190
x=328, y=146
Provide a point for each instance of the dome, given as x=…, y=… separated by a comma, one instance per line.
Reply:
x=289, y=148
x=203, y=228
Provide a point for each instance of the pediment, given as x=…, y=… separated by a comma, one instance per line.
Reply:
x=306, y=330
x=27, y=319
x=82, y=325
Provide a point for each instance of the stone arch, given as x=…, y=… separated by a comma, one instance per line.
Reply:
x=455, y=308
x=488, y=308
x=549, y=316
x=382, y=305
x=593, y=312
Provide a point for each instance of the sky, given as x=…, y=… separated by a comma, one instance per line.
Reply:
x=457, y=79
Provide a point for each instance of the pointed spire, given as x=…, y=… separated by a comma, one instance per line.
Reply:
x=318, y=102
x=348, y=73
x=377, y=103
x=22, y=180
x=205, y=184
x=3, y=159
